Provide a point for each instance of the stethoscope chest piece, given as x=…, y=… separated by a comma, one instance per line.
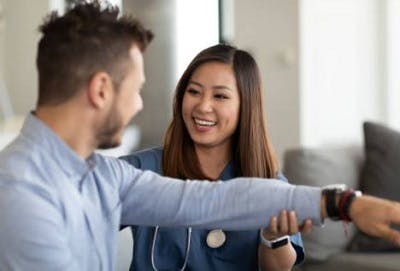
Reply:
x=216, y=238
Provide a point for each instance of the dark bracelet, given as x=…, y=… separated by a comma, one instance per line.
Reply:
x=346, y=198
x=332, y=209
x=338, y=200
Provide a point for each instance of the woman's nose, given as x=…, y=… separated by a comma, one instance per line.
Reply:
x=205, y=104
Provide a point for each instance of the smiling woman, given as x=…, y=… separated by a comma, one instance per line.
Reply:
x=217, y=132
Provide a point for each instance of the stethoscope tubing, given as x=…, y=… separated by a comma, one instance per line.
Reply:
x=153, y=245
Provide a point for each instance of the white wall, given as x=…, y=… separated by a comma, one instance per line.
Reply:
x=342, y=69
x=327, y=66
x=393, y=66
x=269, y=30
x=22, y=18
x=2, y=39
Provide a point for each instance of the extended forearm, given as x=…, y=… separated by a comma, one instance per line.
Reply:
x=239, y=204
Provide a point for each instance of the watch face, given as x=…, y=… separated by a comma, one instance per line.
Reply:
x=280, y=243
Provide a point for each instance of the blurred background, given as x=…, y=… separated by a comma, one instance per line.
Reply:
x=327, y=65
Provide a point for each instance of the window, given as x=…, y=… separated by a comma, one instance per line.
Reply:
x=197, y=28
x=350, y=61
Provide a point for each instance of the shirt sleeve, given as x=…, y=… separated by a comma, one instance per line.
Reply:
x=32, y=232
x=297, y=244
x=135, y=161
x=241, y=204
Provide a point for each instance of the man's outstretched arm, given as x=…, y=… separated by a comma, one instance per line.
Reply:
x=242, y=204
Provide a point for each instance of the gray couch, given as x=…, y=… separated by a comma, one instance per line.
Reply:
x=326, y=248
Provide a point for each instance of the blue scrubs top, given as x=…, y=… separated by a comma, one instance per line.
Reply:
x=239, y=252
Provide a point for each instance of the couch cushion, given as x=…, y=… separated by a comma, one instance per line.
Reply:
x=320, y=167
x=380, y=177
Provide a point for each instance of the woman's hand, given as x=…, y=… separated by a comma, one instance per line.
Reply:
x=287, y=225
x=284, y=257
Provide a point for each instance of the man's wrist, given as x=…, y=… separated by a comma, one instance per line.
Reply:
x=346, y=200
x=336, y=201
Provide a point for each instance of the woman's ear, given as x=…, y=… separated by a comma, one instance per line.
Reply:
x=100, y=90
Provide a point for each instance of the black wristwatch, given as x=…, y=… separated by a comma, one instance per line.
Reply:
x=338, y=200
x=275, y=243
x=332, y=193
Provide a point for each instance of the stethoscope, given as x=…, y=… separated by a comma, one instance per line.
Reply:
x=215, y=239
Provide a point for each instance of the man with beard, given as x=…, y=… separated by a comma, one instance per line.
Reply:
x=61, y=204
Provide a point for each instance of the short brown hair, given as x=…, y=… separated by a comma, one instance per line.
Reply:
x=89, y=38
x=251, y=146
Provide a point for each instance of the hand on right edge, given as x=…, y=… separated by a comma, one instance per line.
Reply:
x=374, y=216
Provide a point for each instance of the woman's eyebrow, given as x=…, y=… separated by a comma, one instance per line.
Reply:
x=217, y=87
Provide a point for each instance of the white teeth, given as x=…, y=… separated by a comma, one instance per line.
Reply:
x=204, y=122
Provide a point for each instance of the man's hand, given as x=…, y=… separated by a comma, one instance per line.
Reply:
x=374, y=216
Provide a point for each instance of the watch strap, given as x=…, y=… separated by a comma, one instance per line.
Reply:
x=275, y=243
x=331, y=193
x=346, y=199
x=338, y=201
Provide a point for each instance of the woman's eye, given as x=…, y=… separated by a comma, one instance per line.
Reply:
x=221, y=97
x=192, y=91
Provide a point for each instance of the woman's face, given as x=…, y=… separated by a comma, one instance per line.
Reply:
x=211, y=105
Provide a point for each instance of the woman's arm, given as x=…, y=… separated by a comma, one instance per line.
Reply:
x=283, y=257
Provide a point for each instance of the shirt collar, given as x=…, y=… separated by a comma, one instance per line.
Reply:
x=229, y=172
x=39, y=133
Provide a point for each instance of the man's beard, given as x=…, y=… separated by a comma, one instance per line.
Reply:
x=108, y=136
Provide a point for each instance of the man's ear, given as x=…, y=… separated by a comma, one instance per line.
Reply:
x=100, y=89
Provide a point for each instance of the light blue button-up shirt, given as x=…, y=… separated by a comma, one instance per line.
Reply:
x=60, y=212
